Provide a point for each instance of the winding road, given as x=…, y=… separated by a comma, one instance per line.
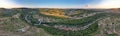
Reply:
x=78, y=28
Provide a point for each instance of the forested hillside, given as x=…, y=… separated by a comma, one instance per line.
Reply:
x=58, y=22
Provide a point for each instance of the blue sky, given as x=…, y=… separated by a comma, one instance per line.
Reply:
x=60, y=3
x=57, y=2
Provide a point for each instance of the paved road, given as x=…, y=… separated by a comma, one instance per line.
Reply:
x=81, y=28
x=26, y=18
x=86, y=26
x=28, y=21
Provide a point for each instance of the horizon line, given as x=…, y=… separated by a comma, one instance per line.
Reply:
x=57, y=8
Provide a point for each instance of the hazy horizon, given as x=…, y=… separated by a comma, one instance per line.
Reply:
x=85, y=4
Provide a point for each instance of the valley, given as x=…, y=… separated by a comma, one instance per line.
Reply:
x=59, y=22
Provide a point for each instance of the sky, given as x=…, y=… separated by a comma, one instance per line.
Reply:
x=60, y=3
